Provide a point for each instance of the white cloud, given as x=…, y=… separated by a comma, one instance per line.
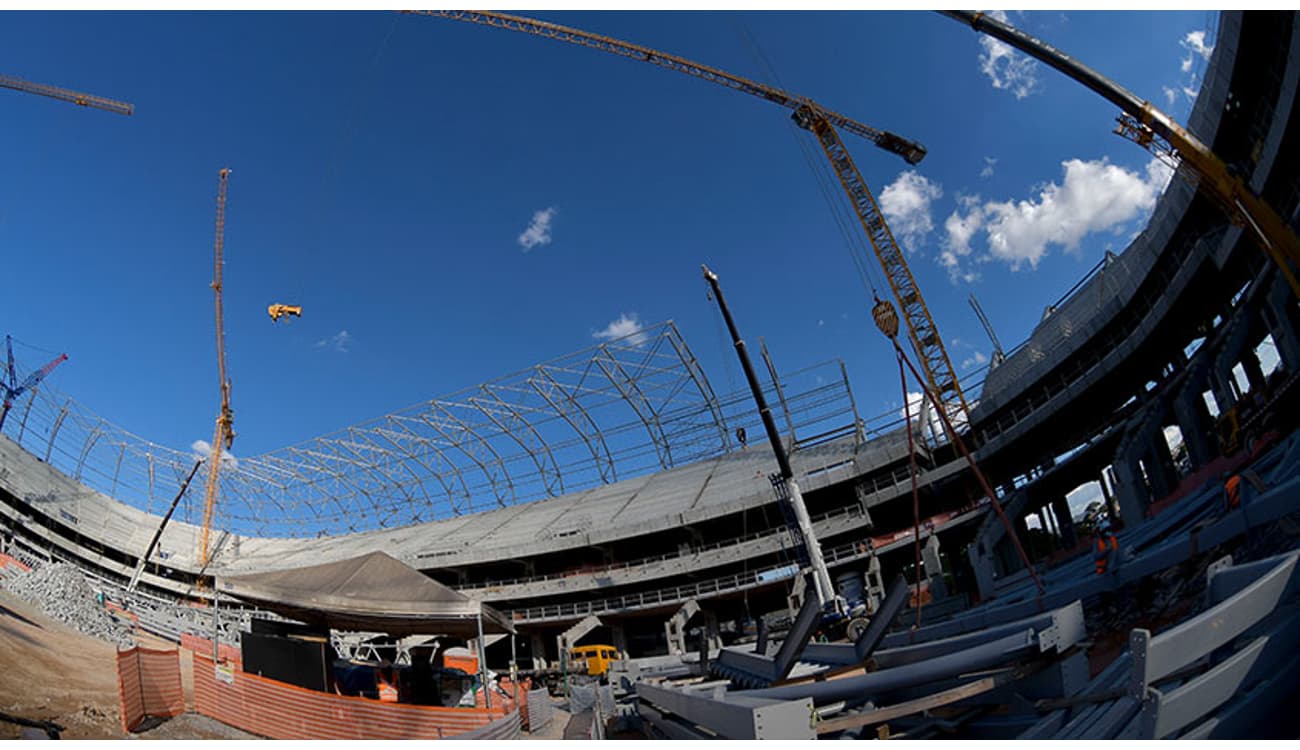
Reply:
x=1195, y=45
x=626, y=326
x=538, y=231
x=203, y=449
x=987, y=171
x=1095, y=196
x=959, y=230
x=1005, y=67
x=975, y=360
x=1170, y=95
x=905, y=202
x=339, y=342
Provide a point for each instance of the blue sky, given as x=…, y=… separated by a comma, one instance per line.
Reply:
x=387, y=170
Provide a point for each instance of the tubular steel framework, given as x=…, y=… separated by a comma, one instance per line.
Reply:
x=625, y=407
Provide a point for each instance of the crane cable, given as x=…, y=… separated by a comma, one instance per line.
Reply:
x=916, y=492
x=826, y=184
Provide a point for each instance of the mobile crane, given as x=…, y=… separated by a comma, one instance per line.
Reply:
x=823, y=123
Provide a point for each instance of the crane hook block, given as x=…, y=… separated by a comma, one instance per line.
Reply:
x=278, y=311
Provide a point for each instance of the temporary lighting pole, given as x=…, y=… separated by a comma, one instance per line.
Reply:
x=821, y=576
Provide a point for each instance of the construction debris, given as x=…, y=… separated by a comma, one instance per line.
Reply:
x=62, y=593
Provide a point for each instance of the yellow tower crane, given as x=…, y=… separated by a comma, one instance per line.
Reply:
x=823, y=123
x=224, y=436
x=76, y=97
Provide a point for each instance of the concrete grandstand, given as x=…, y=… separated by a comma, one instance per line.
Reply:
x=611, y=482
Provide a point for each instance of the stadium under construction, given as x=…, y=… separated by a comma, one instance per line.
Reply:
x=613, y=496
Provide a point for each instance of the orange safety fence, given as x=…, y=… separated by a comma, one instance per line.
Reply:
x=12, y=562
x=200, y=645
x=504, y=696
x=279, y=710
x=148, y=684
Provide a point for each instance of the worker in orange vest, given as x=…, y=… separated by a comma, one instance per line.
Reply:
x=1232, y=491
x=1106, y=543
x=387, y=681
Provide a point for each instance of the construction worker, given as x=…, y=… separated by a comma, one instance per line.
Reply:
x=1232, y=491
x=386, y=679
x=1105, y=544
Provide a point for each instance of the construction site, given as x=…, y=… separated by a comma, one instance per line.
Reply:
x=605, y=545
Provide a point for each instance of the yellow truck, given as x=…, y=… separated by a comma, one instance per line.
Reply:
x=594, y=659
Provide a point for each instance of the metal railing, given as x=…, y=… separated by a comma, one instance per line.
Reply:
x=736, y=582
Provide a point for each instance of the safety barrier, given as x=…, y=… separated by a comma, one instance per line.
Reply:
x=200, y=645
x=503, y=697
x=7, y=561
x=148, y=684
x=281, y=711
x=505, y=728
x=539, y=709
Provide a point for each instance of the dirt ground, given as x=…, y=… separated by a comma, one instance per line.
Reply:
x=50, y=672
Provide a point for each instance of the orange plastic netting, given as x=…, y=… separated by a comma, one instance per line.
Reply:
x=148, y=684
x=282, y=711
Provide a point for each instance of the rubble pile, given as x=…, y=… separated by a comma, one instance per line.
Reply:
x=62, y=593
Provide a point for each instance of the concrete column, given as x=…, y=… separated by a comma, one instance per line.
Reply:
x=981, y=563
x=1254, y=372
x=620, y=638
x=537, y=646
x=933, y=566
x=1022, y=530
x=1196, y=425
x=1061, y=509
x=1130, y=490
x=711, y=632
x=1223, y=386
x=875, y=584
x=1164, y=461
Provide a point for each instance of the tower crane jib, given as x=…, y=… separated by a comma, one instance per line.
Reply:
x=823, y=123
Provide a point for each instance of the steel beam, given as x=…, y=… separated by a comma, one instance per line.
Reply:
x=862, y=688
x=732, y=716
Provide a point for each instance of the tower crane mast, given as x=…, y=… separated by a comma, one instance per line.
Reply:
x=823, y=123
x=224, y=436
x=75, y=97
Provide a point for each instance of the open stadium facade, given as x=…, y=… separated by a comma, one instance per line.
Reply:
x=612, y=482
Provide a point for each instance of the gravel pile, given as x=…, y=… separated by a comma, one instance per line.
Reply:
x=63, y=594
